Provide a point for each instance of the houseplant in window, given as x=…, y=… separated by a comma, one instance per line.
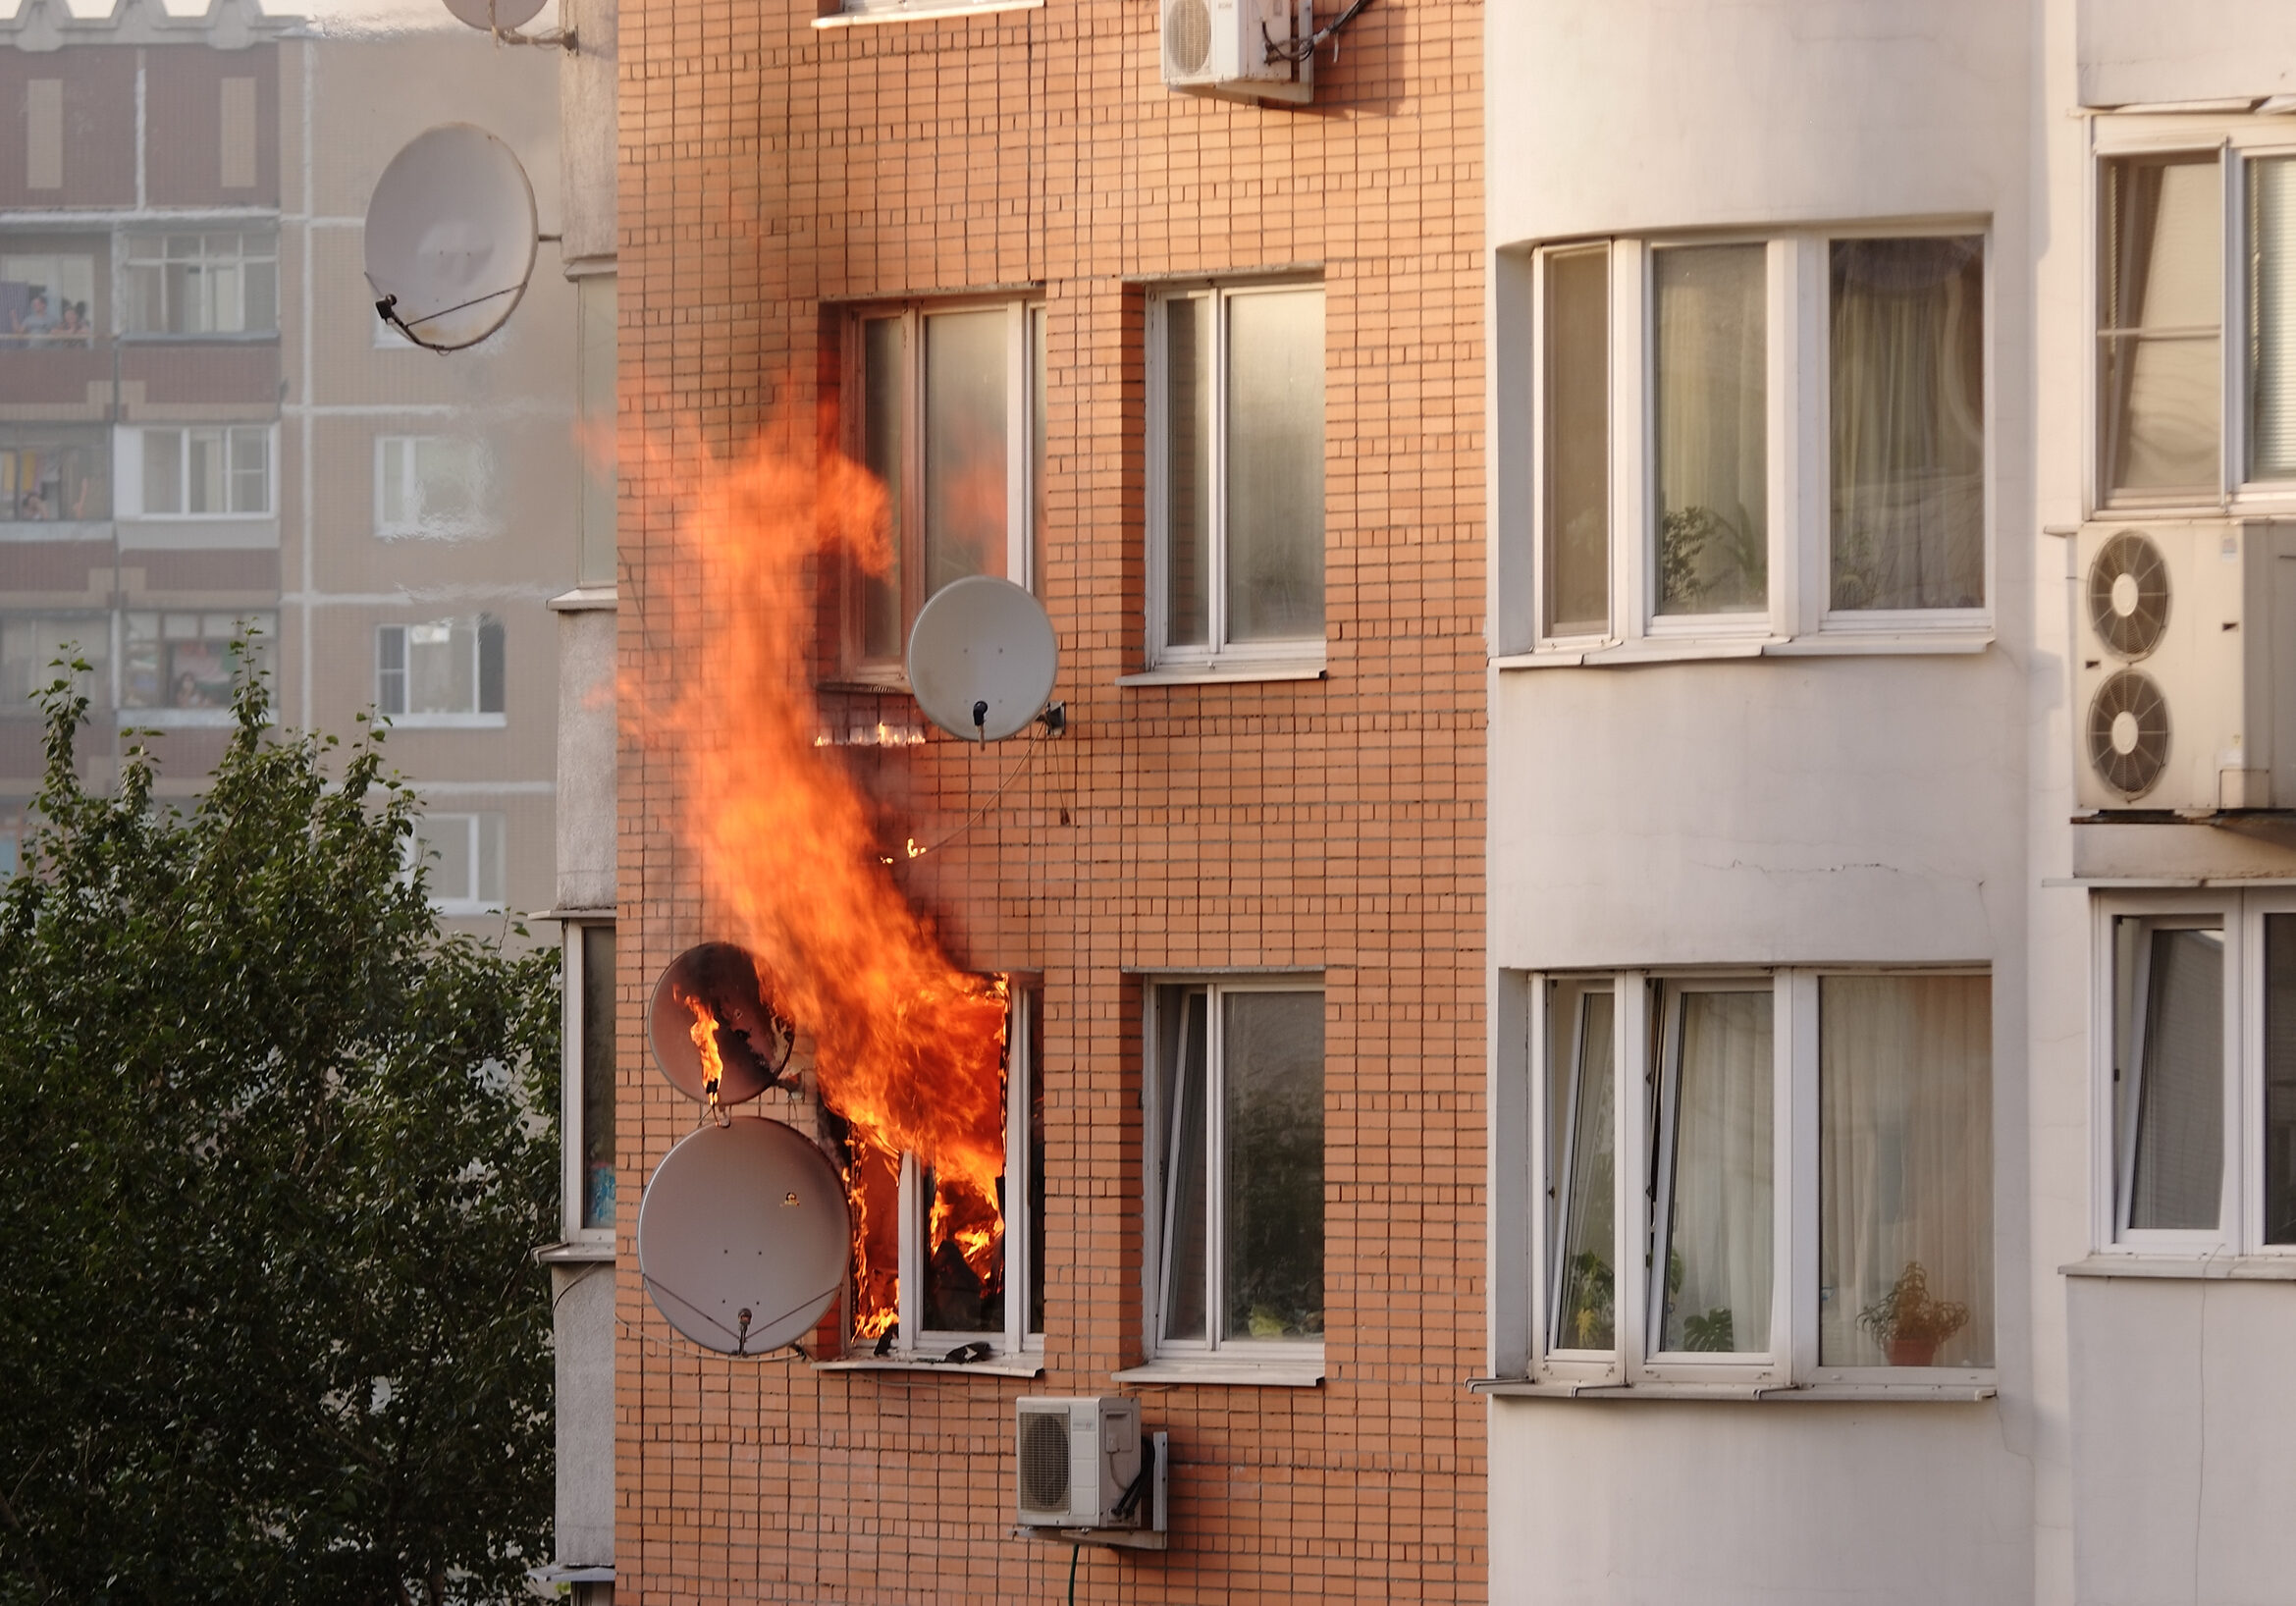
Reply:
x=1907, y=1324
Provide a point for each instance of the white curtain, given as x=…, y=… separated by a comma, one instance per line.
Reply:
x=1908, y=423
x=1713, y=452
x=1905, y=1156
x=1715, y=1287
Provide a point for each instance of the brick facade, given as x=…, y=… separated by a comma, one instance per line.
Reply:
x=770, y=170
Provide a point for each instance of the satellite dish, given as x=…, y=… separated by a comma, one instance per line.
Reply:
x=981, y=659
x=451, y=236
x=742, y=1236
x=751, y=1039
x=489, y=15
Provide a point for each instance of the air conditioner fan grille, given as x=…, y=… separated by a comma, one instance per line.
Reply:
x=2128, y=595
x=1043, y=1471
x=1187, y=36
x=2128, y=734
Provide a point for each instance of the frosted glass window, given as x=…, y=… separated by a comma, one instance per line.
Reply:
x=1907, y=438
x=2168, y=1072
x=1905, y=1171
x=1716, y=1189
x=1712, y=437
x=965, y=420
x=2161, y=345
x=1585, y=1148
x=1577, y=442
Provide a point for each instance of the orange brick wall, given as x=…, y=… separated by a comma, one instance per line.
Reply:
x=1338, y=826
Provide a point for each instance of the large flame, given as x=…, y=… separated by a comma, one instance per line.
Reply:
x=704, y=1033
x=908, y=1048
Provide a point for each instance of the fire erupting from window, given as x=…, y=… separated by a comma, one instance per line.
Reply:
x=908, y=1049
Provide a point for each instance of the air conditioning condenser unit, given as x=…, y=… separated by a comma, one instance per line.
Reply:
x=1079, y=1462
x=1245, y=49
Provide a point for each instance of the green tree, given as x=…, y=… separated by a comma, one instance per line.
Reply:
x=272, y=1168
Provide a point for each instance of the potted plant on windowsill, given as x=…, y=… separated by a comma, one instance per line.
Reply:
x=1907, y=1324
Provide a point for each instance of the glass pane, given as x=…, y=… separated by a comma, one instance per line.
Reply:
x=251, y=459
x=441, y=667
x=2161, y=258
x=964, y=1260
x=1907, y=343
x=2279, y=1162
x=1036, y=1075
x=1182, y=1014
x=1275, y=466
x=594, y=304
x=2176, y=1143
x=2271, y=282
x=207, y=469
x=1712, y=435
x=1272, y=1062
x=1905, y=1171
x=163, y=470
x=883, y=409
x=1188, y=470
x=1579, y=443
x=489, y=848
x=447, y=851
x=1716, y=1294
x=1585, y=1303
x=966, y=354
x=597, y=1057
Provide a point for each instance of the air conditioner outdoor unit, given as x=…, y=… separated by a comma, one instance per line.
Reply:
x=1078, y=1460
x=2185, y=629
x=1223, y=47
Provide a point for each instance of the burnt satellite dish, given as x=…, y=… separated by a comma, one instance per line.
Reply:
x=742, y=1236
x=451, y=236
x=714, y=1032
x=490, y=15
x=981, y=659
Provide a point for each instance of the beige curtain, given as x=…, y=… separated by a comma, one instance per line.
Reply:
x=1713, y=438
x=1716, y=1288
x=1905, y=1156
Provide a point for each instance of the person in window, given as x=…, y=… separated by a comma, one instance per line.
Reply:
x=31, y=505
x=37, y=322
x=74, y=326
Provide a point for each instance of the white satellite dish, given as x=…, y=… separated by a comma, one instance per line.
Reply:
x=981, y=659
x=451, y=236
x=742, y=1236
x=490, y=15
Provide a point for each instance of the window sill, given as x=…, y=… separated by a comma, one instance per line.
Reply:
x=584, y=599
x=1024, y=1364
x=2271, y=1268
x=175, y=718
x=1302, y=1374
x=575, y=1252
x=935, y=10
x=1957, y=1393
x=446, y=722
x=1209, y=675
x=1825, y=644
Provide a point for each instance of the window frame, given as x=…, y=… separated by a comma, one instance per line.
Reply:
x=1211, y=1351
x=2235, y=142
x=573, y=1131
x=1642, y=1013
x=422, y=527
x=476, y=717
x=98, y=646
x=129, y=471
x=1218, y=654
x=129, y=264
x=487, y=829
x=1023, y=407
x=1024, y=1073
x=1799, y=614
x=2240, y=1217
x=166, y=716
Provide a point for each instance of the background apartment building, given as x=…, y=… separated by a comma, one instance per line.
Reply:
x=204, y=424
x=1893, y=719
x=1203, y=374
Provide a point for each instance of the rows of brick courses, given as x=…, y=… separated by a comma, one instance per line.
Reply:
x=770, y=168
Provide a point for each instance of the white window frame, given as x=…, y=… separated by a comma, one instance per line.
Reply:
x=573, y=1133
x=1790, y=1362
x=128, y=450
x=1798, y=419
x=90, y=634
x=486, y=829
x=421, y=526
x=159, y=715
x=1157, y=1123
x=2240, y=1227
x=476, y=717
x=1024, y=337
x=1219, y=653
x=131, y=262
x=1023, y=1061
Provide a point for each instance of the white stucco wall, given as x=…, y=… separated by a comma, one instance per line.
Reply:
x=1773, y=811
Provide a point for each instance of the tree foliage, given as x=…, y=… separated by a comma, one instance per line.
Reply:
x=272, y=1169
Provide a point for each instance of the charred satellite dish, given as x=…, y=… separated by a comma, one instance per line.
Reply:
x=981, y=659
x=450, y=237
x=742, y=1236
x=490, y=15
x=714, y=1032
